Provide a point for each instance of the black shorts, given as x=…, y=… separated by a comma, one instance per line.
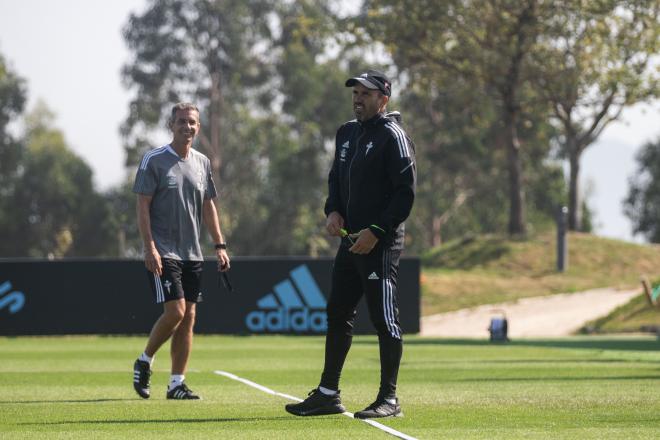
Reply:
x=180, y=279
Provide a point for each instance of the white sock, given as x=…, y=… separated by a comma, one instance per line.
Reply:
x=327, y=392
x=175, y=381
x=391, y=401
x=145, y=358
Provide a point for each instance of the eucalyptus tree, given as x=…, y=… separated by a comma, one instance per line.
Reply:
x=485, y=44
x=596, y=59
x=55, y=209
x=212, y=53
x=266, y=86
x=13, y=94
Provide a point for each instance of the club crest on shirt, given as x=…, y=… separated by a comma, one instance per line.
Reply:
x=370, y=145
x=200, y=181
x=343, y=152
x=171, y=181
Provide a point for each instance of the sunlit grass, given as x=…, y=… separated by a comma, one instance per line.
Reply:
x=573, y=388
x=492, y=269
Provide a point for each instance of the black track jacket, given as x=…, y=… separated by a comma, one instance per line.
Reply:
x=372, y=180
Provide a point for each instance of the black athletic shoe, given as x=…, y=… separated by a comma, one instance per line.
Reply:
x=182, y=392
x=380, y=408
x=141, y=375
x=317, y=404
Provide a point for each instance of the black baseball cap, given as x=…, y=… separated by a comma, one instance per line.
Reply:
x=372, y=79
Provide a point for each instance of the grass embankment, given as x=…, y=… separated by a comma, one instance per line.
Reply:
x=492, y=269
x=635, y=316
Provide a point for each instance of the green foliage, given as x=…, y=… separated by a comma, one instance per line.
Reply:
x=471, y=58
x=525, y=65
x=488, y=90
x=267, y=91
x=55, y=211
x=284, y=190
x=12, y=100
x=642, y=205
x=595, y=59
x=48, y=204
x=121, y=202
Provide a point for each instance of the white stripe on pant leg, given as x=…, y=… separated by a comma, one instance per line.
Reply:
x=384, y=293
x=393, y=302
x=387, y=309
x=390, y=303
x=388, y=297
x=380, y=426
x=160, y=297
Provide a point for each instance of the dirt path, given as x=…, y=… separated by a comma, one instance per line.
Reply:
x=544, y=316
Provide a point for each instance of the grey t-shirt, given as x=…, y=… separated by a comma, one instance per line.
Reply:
x=178, y=187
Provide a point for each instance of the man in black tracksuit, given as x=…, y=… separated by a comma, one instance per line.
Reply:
x=371, y=192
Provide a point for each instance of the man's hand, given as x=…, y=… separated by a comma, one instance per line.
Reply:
x=152, y=261
x=365, y=240
x=223, y=260
x=334, y=223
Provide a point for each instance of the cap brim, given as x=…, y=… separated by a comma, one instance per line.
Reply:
x=365, y=82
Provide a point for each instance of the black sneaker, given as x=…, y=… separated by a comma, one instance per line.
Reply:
x=380, y=408
x=141, y=375
x=182, y=392
x=316, y=404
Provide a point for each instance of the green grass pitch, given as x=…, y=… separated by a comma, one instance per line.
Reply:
x=573, y=388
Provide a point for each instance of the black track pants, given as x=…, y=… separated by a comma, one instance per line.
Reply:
x=375, y=276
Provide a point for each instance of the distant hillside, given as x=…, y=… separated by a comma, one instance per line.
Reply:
x=492, y=269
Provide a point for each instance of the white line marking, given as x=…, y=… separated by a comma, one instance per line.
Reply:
x=387, y=429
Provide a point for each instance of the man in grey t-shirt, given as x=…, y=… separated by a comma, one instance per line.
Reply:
x=175, y=191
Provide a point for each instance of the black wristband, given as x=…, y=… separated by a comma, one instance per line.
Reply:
x=220, y=246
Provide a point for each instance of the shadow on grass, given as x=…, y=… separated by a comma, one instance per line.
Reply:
x=596, y=343
x=137, y=421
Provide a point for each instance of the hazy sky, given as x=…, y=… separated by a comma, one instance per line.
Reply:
x=71, y=52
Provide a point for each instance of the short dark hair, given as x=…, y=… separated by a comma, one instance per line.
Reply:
x=176, y=108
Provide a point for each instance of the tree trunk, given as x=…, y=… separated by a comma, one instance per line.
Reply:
x=436, y=237
x=574, y=211
x=509, y=90
x=516, y=192
x=438, y=221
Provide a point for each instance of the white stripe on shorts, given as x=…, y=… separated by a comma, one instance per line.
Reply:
x=160, y=296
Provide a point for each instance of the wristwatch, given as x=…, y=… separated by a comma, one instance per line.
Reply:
x=220, y=246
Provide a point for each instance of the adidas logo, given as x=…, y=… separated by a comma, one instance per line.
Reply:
x=373, y=276
x=297, y=304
